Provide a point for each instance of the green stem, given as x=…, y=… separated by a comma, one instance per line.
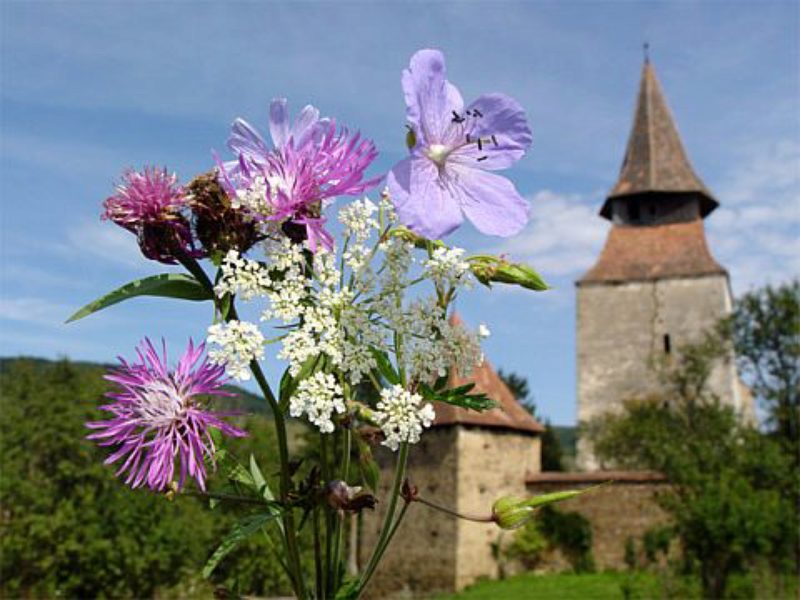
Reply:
x=388, y=521
x=317, y=555
x=285, y=480
x=340, y=520
x=295, y=574
x=326, y=479
x=453, y=513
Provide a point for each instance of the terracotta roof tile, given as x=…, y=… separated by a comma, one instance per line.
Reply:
x=634, y=253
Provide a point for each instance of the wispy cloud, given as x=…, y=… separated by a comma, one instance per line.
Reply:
x=564, y=237
x=756, y=231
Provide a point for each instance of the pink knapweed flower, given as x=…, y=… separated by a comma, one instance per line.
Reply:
x=150, y=204
x=309, y=165
x=158, y=417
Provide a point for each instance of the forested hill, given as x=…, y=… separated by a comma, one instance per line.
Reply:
x=243, y=401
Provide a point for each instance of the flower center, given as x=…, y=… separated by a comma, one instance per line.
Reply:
x=438, y=153
x=161, y=404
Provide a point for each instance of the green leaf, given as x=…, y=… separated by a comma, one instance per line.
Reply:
x=370, y=471
x=239, y=533
x=459, y=396
x=348, y=591
x=166, y=285
x=385, y=366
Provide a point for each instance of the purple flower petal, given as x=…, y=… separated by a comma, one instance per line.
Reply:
x=304, y=127
x=504, y=130
x=430, y=98
x=279, y=122
x=246, y=140
x=423, y=202
x=491, y=202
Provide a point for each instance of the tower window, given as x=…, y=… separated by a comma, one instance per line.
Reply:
x=667, y=344
x=633, y=212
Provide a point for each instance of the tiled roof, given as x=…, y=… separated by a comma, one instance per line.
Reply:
x=508, y=415
x=655, y=160
x=634, y=253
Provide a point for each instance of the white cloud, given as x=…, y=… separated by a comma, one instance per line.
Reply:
x=107, y=242
x=756, y=231
x=564, y=237
x=33, y=310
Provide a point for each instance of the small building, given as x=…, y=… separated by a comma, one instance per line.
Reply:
x=464, y=462
x=656, y=285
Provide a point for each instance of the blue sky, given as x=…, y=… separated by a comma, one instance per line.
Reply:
x=89, y=88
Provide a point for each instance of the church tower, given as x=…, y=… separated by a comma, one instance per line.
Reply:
x=655, y=285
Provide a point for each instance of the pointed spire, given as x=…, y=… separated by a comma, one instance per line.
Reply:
x=655, y=160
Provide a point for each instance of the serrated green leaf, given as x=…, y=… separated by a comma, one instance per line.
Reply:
x=477, y=402
x=239, y=533
x=166, y=285
x=459, y=396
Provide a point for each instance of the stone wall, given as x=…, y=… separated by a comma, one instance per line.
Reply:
x=422, y=555
x=460, y=467
x=493, y=463
x=622, y=330
x=618, y=511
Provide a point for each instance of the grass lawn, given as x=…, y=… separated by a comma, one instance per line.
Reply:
x=608, y=586
x=565, y=586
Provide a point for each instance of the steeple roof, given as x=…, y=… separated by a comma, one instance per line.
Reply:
x=509, y=414
x=655, y=160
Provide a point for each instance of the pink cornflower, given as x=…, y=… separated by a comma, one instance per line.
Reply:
x=157, y=416
x=310, y=164
x=150, y=204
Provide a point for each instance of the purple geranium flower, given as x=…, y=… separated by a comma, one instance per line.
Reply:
x=453, y=149
x=157, y=417
x=310, y=164
x=150, y=204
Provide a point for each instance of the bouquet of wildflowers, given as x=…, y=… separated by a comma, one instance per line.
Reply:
x=363, y=323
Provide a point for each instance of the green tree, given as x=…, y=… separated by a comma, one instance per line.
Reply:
x=552, y=452
x=726, y=477
x=69, y=528
x=766, y=331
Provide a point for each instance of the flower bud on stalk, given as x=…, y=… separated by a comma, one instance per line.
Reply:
x=512, y=512
x=343, y=497
x=488, y=269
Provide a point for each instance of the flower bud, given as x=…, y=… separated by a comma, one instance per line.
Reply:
x=219, y=226
x=488, y=269
x=341, y=496
x=511, y=512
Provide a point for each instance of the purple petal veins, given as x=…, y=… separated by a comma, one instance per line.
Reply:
x=445, y=175
x=158, y=418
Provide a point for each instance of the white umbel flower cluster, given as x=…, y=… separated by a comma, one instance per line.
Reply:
x=318, y=397
x=447, y=266
x=245, y=278
x=402, y=416
x=239, y=342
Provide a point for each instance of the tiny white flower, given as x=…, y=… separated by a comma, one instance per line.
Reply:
x=239, y=343
x=402, y=416
x=318, y=397
x=483, y=331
